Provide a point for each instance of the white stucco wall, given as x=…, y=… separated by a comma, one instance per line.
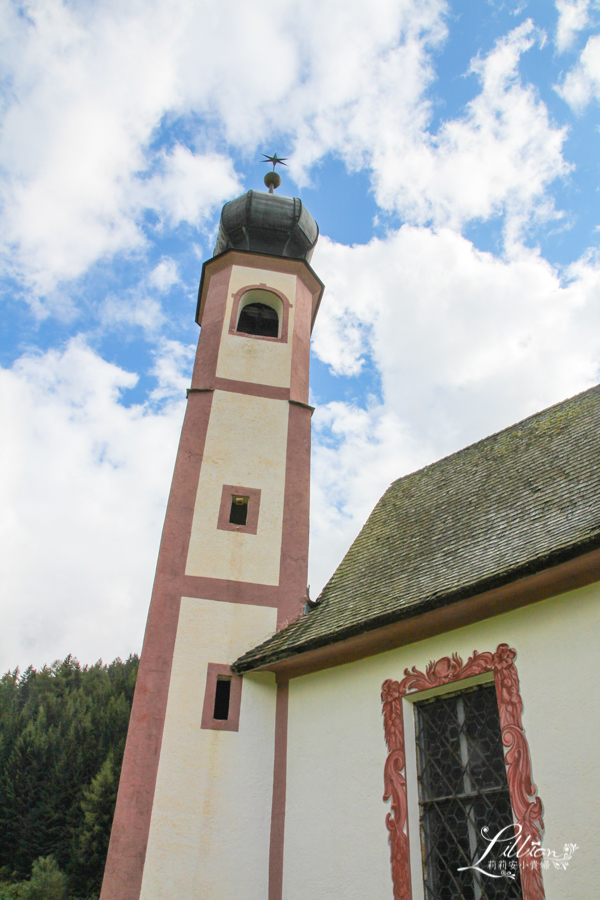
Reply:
x=245, y=445
x=209, y=833
x=336, y=842
x=249, y=359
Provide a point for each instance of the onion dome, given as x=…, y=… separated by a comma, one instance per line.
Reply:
x=267, y=223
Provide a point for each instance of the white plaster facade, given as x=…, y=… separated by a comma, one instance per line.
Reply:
x=336, y=842
x=245, y=359
x=212, y=803
x=246, y=444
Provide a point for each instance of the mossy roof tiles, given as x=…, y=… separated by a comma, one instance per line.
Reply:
x=509, y=505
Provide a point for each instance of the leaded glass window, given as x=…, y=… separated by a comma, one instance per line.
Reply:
x=462, y=789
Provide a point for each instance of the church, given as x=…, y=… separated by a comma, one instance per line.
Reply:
x=428, y=727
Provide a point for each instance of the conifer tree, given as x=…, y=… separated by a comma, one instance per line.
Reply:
x=62, y=736
x=47, y=882
x=89, y=854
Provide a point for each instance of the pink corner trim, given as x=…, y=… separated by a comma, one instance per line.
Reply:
x=232, y=722
x=526, y=805
x=229, y=491
x=276, y=844
x=283, y=339
x=293, y=566
x=131, y=824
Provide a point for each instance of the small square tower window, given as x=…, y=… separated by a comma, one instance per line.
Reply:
x=239, y=510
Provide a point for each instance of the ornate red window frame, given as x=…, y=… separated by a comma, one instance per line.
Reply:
x=526, y=805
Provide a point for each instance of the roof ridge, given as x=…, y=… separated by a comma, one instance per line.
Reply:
x=496, y=434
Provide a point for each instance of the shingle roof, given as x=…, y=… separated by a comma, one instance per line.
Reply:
x=507, y=506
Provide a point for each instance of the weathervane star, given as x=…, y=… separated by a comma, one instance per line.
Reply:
x=276, y=160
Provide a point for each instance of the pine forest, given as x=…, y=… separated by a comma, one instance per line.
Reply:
x=62, y=737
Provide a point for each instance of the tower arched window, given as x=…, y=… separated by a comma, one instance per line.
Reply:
x=260, y=314
x=258, y=318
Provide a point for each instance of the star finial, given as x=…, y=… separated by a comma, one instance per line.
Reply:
x=276, y=160
x=273, y=179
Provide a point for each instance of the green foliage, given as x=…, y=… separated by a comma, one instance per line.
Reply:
x=62, y=736
x=47, y=882
x=8, y=890
x=98, y=806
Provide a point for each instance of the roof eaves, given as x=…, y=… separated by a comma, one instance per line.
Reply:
x=255, y=660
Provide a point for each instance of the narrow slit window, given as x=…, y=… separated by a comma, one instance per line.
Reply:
x=239, y=510
x=222, y=697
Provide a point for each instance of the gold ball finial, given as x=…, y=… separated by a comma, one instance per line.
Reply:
x=273, y=179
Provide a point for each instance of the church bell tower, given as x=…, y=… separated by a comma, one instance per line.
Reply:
x=199, y=810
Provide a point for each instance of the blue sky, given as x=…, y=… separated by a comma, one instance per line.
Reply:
x=450, y=153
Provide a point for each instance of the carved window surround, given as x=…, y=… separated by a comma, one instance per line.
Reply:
x=526, y=805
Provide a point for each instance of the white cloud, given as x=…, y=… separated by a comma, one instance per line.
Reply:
x=367, y=77
x=582, y=84
x=447, y=324
x=88, y=87
x=139, y=306
x=165, y=274
x=357, y=453
x=136, y=308
x=464, y=343
x=573, y=16
x=341, y=337
x=84, y=482
x=92, y=87
x=188, y=186
x=172, y=365
x=95, y=87
x=499, y=158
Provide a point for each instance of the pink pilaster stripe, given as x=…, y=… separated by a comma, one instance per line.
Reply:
x=279, y=793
